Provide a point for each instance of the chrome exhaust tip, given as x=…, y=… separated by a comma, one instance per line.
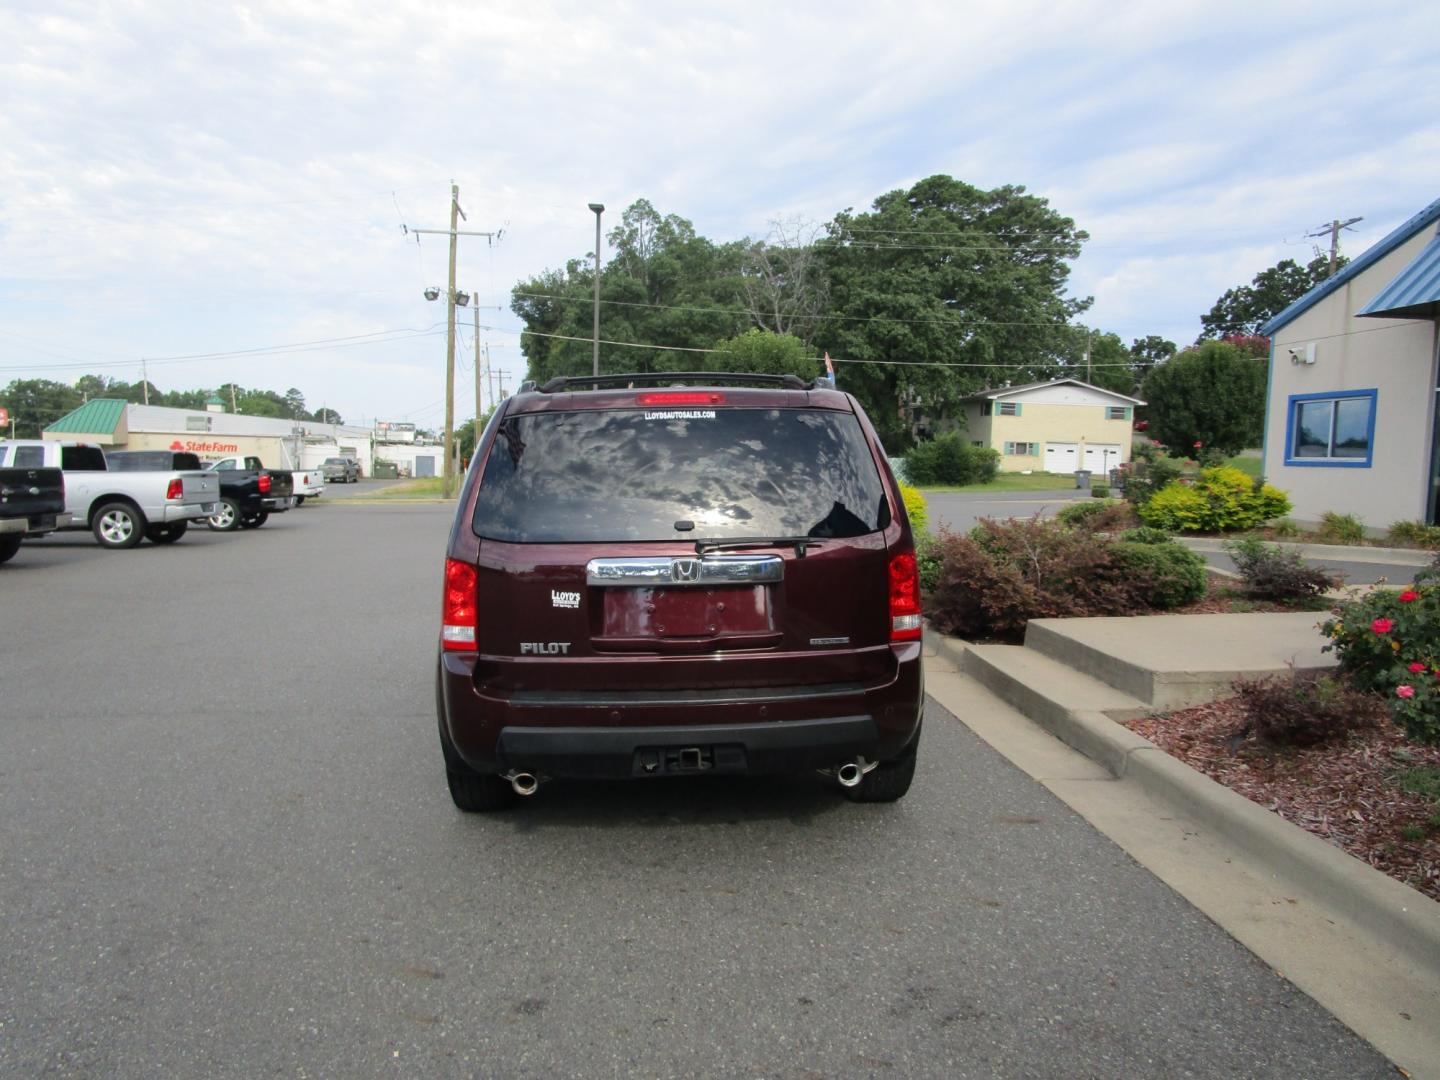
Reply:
x=524, y=783
x=849, y=774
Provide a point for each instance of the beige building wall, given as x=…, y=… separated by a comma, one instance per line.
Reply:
x=1041, y=423
x=1394, y=357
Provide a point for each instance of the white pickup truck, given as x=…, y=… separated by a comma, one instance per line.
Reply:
x=309, y=484
x=118, y=507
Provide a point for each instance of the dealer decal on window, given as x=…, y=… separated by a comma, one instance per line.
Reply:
x=682, y=414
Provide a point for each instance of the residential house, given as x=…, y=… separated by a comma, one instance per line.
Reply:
x=1057, y=426
x=1354, y=386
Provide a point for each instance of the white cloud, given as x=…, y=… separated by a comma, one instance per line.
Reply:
x=184, y=179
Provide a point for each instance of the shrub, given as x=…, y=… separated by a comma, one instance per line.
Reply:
x=948, y=459
x=1271, y=572
x=1416, y=533
x=915, y=509
x=1285, y=529
x=1003, y=574
x=1221, y=500
x=1165, y=573
x=1389, y=642
x=1147, y=477
x=1145, y=534
x=927, y=562
x=1304, y=708
x=1341, y=528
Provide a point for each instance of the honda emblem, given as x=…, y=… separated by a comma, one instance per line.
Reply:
x=685, y=570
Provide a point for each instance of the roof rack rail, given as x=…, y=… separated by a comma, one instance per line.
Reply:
x=648, y=378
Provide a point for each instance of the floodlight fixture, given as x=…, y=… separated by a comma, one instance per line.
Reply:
x=432, y=293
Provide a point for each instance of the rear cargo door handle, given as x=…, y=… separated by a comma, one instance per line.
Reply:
x=684, y=571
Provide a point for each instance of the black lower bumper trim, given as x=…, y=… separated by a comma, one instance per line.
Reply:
x=623, y=752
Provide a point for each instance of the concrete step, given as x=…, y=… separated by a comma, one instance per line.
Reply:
x=1078, y=709
x=1172, y=661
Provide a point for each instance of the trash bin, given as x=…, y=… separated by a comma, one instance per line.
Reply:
x=386, y=470
x=1082, y=478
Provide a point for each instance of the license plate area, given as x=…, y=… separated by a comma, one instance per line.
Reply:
x=673, y=760
x=667, y=614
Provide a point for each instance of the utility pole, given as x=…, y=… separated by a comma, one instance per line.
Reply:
x=489, y=374
x=598, y=209
x=1334, y=230
x=479, y=386
x=454, y=233
x=144, y=382
x=233, y=408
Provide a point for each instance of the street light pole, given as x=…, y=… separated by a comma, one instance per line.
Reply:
x=448, y=483
x=598, y=208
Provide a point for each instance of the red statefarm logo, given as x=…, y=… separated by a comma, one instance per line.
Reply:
x=177, y=445
x=206, y=447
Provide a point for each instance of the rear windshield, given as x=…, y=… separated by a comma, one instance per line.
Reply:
x=82, y=458
x=632, y=475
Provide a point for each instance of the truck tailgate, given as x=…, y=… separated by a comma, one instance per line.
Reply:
x=200, y=487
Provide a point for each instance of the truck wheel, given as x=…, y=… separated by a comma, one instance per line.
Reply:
x=118, y=525
x=226, y=517
x=299, y=500
x=9, y=545
x=166, y=534
x=471, y=791
x=889, y=780
x=254, y=521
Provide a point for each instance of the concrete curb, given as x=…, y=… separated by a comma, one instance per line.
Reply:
x=1379, y=556
x=1404, y=918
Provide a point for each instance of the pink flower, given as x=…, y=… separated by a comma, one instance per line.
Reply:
x=1405, y=691
x=1416, y=668
x=1383, y=626
x=1409, y=596
x=1198, y=444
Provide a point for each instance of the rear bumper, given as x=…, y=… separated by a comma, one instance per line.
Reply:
x=187, y=511
x=279, y=505
x=35, y=524
x=749, y=730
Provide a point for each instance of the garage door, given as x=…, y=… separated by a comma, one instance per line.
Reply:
x=1062, y=456
x=1101, y=457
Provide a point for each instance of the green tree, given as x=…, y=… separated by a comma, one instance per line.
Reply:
x=946, y=274
x=326, y=416
x=762, y=352
x=1207, y=402
x=664, y=285
x=1245, y=308
x=469, y=432
x=1148, y=351
x=34, y=404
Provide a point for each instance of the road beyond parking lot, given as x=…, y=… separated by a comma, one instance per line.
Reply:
x=228, y=851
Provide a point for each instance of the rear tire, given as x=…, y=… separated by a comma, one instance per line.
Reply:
x=118, y=525
x=166, y=534
x=299, y=500
x=471, y=791
x=9, y=545
x=226, y=517
x=889, y=780
x=254, y=521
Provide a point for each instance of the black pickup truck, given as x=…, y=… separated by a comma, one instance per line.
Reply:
x=249, y=494
x=32, y=503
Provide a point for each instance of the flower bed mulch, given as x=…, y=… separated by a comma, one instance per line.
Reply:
x=1343, y=791
x=1224, y=596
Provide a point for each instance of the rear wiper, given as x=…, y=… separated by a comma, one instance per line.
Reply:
x=798, y=542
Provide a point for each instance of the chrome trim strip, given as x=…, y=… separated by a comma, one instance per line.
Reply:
x=664, y=571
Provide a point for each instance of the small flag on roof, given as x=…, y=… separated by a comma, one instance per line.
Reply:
x=830, y=369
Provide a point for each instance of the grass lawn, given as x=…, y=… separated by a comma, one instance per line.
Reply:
x=1250, y=466
x=427, y=487
x=1011, y=481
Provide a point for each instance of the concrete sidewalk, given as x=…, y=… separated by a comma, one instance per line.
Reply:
x=1379, y=556
x=1365, y=946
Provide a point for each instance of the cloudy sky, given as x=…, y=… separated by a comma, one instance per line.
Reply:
x=178, y=181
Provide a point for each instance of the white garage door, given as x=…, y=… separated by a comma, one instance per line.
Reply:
x=1101, y=457
x=1062, y=457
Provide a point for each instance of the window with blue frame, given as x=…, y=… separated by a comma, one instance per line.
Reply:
x=1334, y=429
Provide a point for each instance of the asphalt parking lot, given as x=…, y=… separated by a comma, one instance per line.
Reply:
x=228, y=851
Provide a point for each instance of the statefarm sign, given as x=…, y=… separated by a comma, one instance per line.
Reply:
x=197, y=446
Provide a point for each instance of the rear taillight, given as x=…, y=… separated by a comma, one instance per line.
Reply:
x=904, y=598
x=264, y=484
x=681, y=397
x=459, y=614
x=175, y=489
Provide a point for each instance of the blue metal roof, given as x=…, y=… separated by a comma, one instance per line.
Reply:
x=1354, y=269
x=1415, y=292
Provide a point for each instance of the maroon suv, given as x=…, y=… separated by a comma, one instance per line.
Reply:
x=711, y=575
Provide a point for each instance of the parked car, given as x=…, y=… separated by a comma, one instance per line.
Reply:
x=308, y=484
x=119, y=507
x=714, y=579
x=32, y=503
x=256, y=493
x=343, y=470
x=247, y=496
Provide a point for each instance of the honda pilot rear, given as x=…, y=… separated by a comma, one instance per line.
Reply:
x=713, y=575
